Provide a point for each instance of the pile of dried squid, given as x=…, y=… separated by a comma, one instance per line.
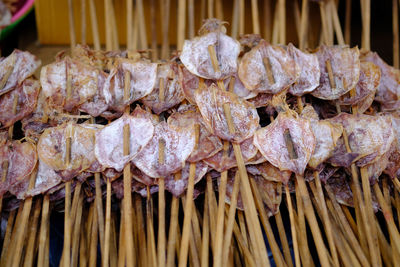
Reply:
x=219, y=110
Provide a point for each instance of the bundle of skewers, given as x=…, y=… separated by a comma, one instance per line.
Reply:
x=191, y=160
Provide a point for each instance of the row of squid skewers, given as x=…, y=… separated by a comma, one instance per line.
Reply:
x=247, y=119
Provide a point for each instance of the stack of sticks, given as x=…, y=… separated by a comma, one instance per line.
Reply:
x=207, y=230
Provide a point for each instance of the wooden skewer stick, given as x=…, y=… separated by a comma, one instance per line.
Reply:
x=267, y=20
x=161, y=206
x=76, y=233
x=93, y=238
x=181, y=23
x=241, y=17
x=153, y=28
x=283, y=239
x=336, y=23
x=346, y=227
x=95, y=28
x=72, y=36
x=347, y=255
x=113, y=249
x=7, y=236
x=108, y=25
x=211, y=210
x=191, y=16
x=210, y=8
x=151, y=247
x=370, y=216
x=388, y=216
x=115, y=42
x=305, y=254
x=309, y=212
x=43, y=229
x=129, y=24
x=67, y=208
x=9, y=252
x=205, y=241
x=142, y=24
x=172, y=236
x=108, y=225
x=21, y=225
x=303, y=24
x=219, y=14
x=282, y=21
x=83, y=21
x=325, y=217
x=30, y=247
x=165, y=28
x=188, y=207
x=235, y=19
x=395, y=26
x=230, y=220
x=130, y=255
x=121, y=252
x=250, y=208
x=267, y=227
x=219, y=234
x=347, y=29
x=255, y=17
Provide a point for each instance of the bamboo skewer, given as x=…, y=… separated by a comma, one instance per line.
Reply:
x=255, y=17
x=21, y=225
x=204, y=258
x=83, y=21
x=6, y=260
x=108, y=26
x=161, y=205
x=395, y=26
x=305, y=253
x=325, y=218
x=121, y=252
x=282, y=21
x=165, y=4
x=151, y=247
x=181, y=23
x=188, y=216
x=191, y=17
x=210, y=8
x=142, y=24
x=267, y=227
x=107, y=225
x=211, y=210
x=347, y=28
x=71, y=24
x=230, y=220
x=95, y=28
x=43, y=233
x=30, y=247
x=153, y=28
x=283, y=239
x=7, y=236
x=235, y=19
x=219, y=233
x=250, y=209
x=267, y=20
x=129, y=24
x=76, y=233
x=172, y=236
x=130, y=259
x=346, y=228
x=93, y=238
